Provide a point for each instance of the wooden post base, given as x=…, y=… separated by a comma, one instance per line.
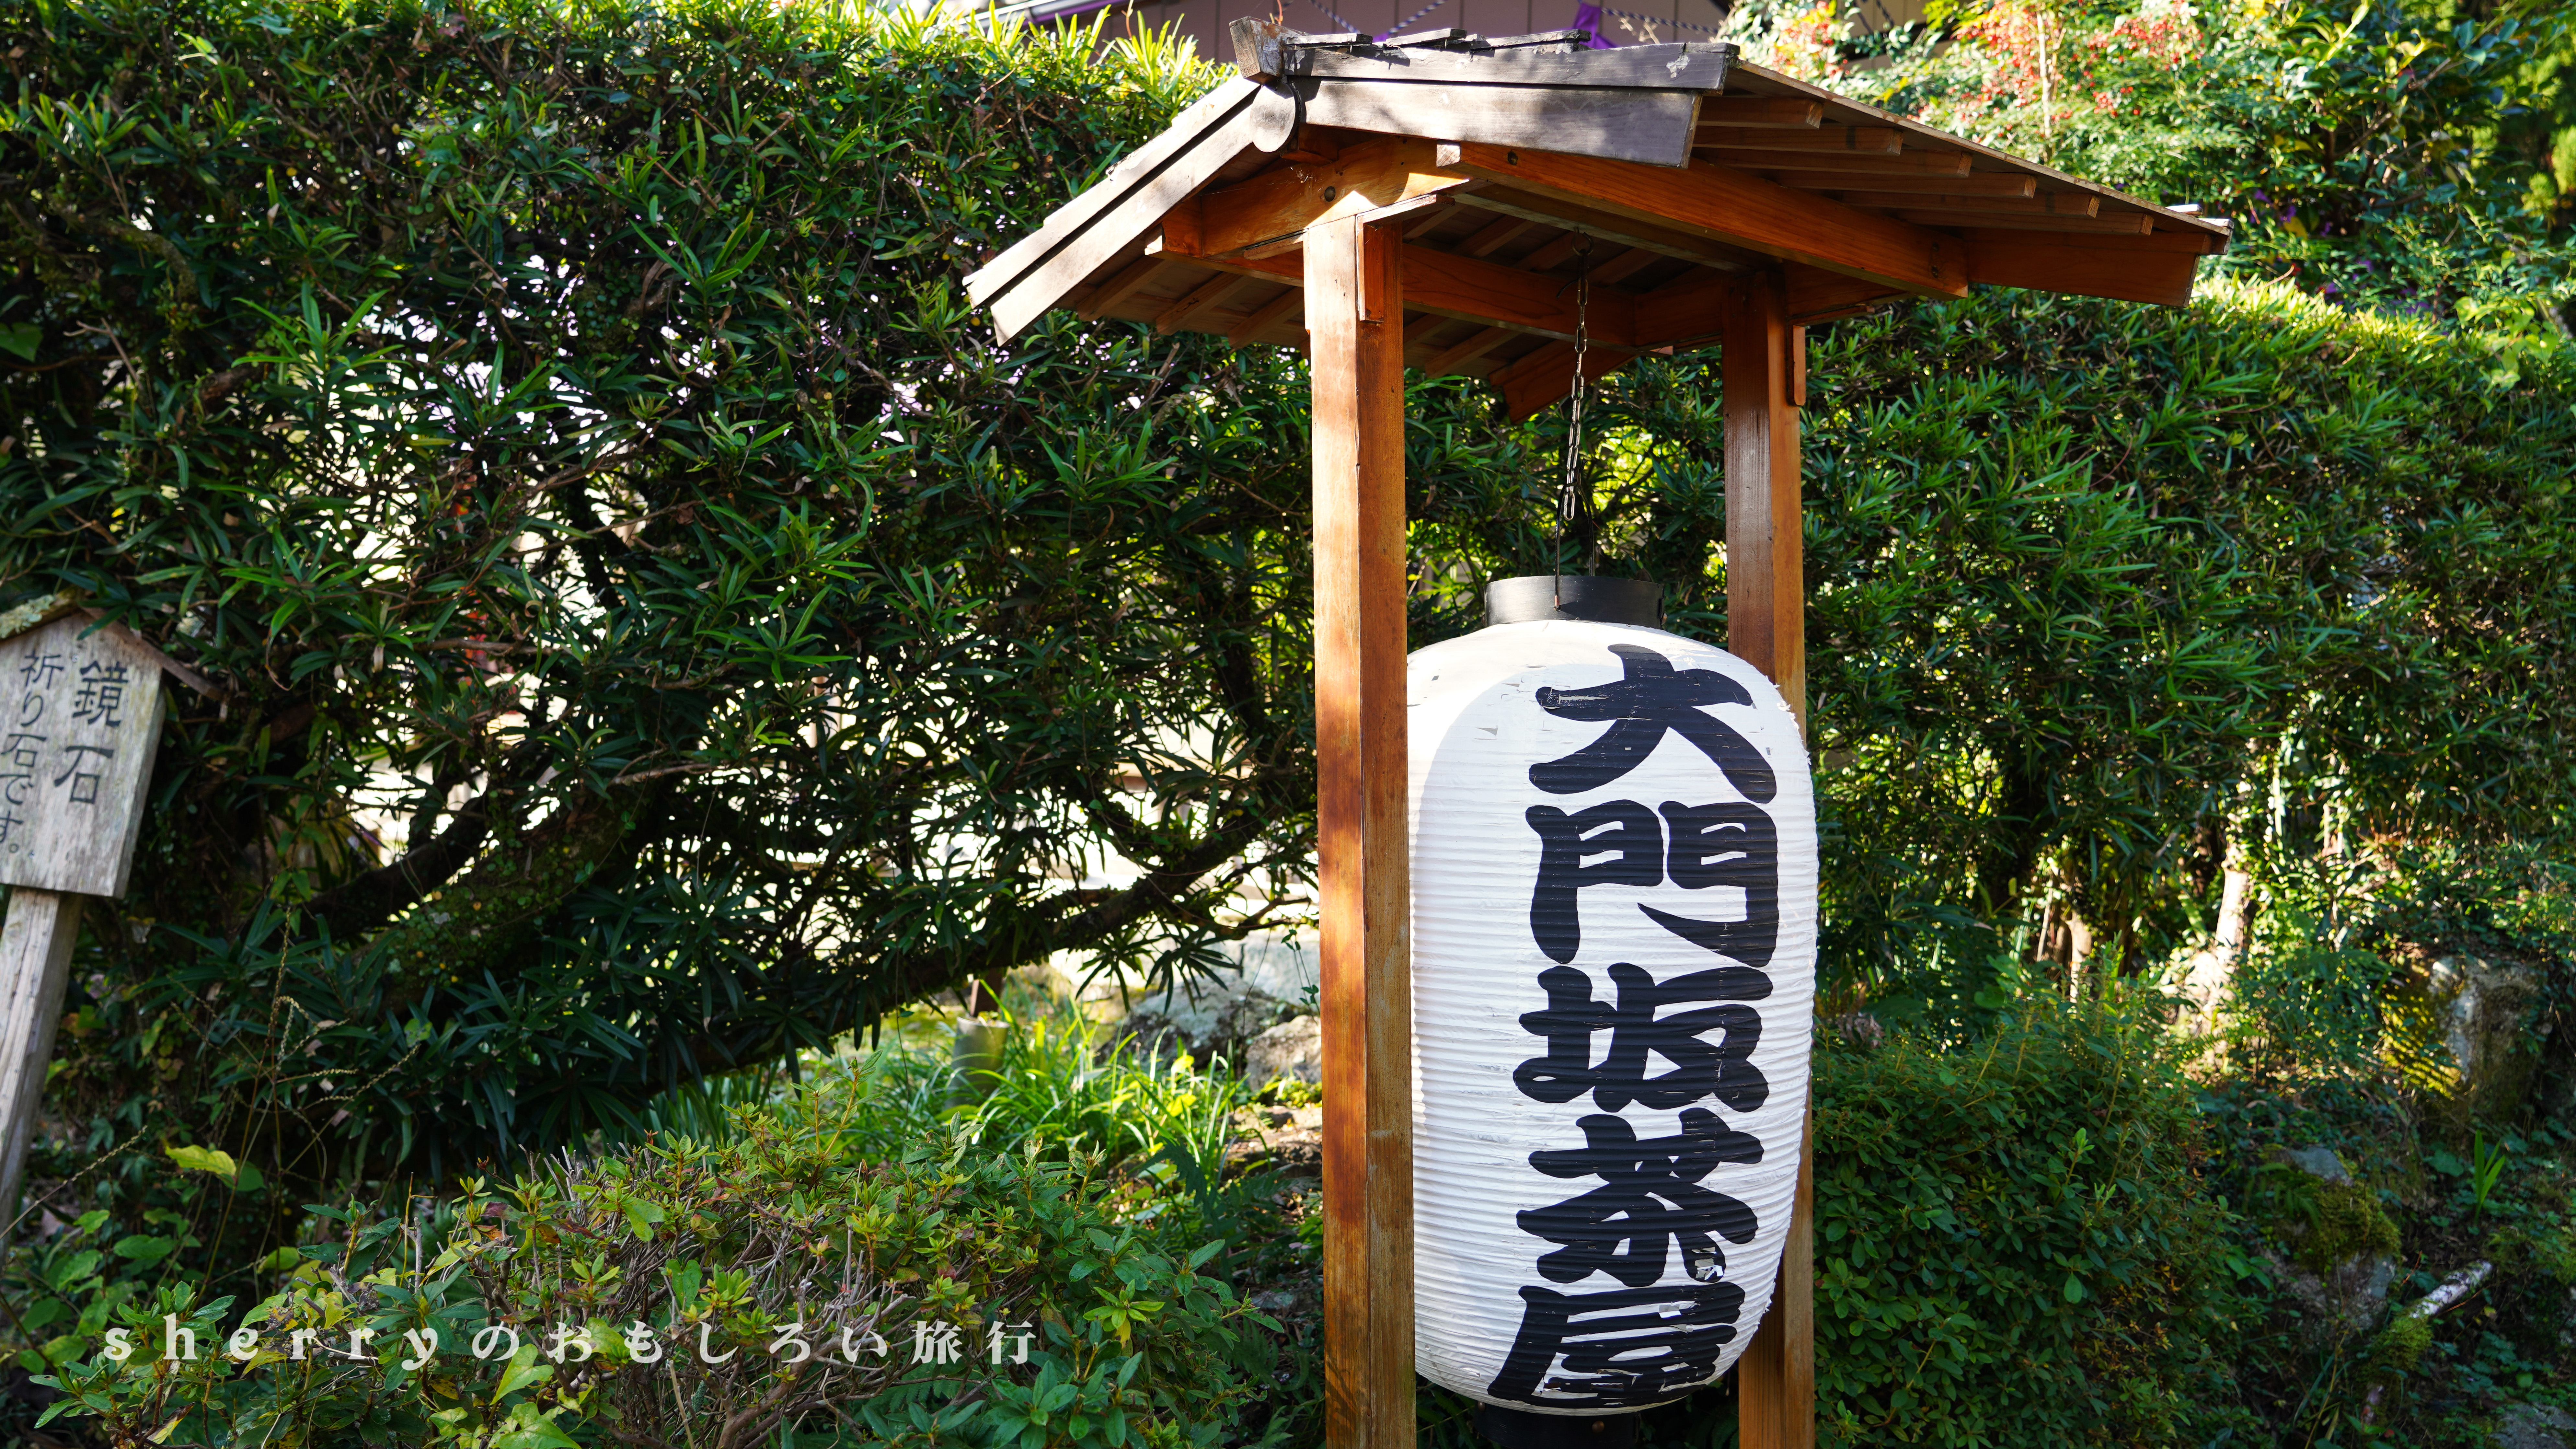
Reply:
x=35, y=965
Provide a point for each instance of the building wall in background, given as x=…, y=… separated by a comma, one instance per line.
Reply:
x=1632, y=22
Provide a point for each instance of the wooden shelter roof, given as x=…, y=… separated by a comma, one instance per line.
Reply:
x=1518, y=165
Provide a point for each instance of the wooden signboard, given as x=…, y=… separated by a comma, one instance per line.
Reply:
x=81, y=703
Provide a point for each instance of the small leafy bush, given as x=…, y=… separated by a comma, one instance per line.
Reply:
x=792, y=1280
x=2012, y=1246
x=1046, y=1085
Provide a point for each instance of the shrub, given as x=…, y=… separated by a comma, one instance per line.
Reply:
x=553, y=430
x=2013, y=1247
x=815, y=1269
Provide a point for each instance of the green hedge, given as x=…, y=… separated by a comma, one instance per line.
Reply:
x=556, y=427
x=2013, y=1246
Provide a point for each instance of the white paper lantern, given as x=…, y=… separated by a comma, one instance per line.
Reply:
x=1614, y=880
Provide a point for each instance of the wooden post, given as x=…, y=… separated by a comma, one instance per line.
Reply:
x=35, y=959
x=1766, y=627
x=1355, y=326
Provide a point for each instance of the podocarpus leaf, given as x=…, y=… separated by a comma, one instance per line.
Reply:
x=653, y=628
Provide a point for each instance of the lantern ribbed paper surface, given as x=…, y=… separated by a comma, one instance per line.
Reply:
x=1614, y=881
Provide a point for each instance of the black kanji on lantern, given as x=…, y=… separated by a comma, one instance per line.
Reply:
x=1624, y=830
x=1650, y=699
x=1649, y=1205
x=1725, y=844
x=1700, y=1070
x=1623, y=1348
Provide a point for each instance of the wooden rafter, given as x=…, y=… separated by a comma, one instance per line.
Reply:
x=1982, y=183
x=1626, y=231
x=2046, y=203
x=1445, y=284
x=1740, y=210
x=1262, y=318
x=1829, y=140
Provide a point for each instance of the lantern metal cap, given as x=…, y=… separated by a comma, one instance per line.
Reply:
x=1534, y=597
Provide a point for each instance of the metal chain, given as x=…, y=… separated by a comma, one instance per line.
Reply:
x=1569, y=498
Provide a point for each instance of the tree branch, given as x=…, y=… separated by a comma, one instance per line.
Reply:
x=361, y=905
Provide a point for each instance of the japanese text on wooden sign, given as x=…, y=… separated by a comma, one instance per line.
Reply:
x=80, y=710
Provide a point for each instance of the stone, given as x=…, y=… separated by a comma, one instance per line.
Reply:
x=1210, y=1015
x=2484, y=1012
x=2534, y=1426
x=1858, y=1030
x=2342, y=1302
x=975, y=1060
x=1291, y=1051
x=1149, y=1036
x=2340, y=1280
x=1242, y=1021
x=1288, y=1141
x=2317, y=1162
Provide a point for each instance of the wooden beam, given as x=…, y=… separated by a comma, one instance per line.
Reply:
x=1271, y=210
x=1820, y=296
x=1690, y=66
x=1430, y=215
x=1122, y=284
x=1492, y=236
x=1181, y=225
x=1741, y=210
x=1354, y=318
x=1646, y=127
x=1481, y=291
x=1476, y=345
x=1765, y=589
x=1199, y=298
x=1312, y=143
x=1981, y=183
x=2180, y=241
x=2046, y=203
x=1548, y=255
x=1543, y=378
x=1910, y=163
x=2126, y=223
x=1551, y=211
x=1626, y=264
x=1210, y=112
x=1766, y=627
x=1691, y=308
x=1846, y=140
x=1695, y=307
x=1761, y=111
x=1260, y=319
x=1469, y=289
x=2096, y=270
x=1110, y=217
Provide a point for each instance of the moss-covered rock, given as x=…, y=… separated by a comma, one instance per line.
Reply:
x=2345, y=1222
